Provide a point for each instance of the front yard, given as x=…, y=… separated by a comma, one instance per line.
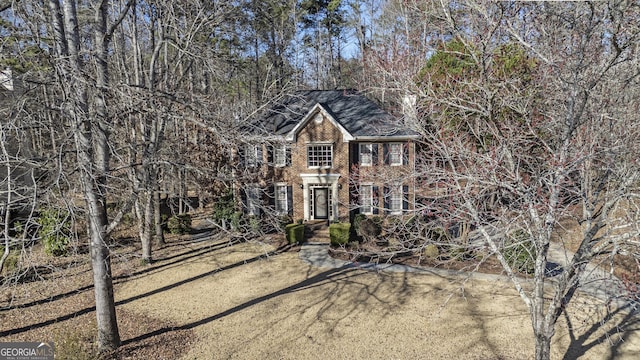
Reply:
x=212, y=299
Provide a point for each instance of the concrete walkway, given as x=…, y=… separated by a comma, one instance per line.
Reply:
x=594, y=281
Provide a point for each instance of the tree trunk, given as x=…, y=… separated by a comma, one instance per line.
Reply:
x=146, y=225
x=158, y=216
x=543, y=347
x=92, y=150
x=108, y=335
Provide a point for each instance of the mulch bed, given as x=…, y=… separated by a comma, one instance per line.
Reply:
x=380, y=254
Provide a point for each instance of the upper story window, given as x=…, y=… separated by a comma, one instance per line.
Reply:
x=320, y=156
x=367, y=157
x=280, y=155
x=395, y=154
x=252, y=155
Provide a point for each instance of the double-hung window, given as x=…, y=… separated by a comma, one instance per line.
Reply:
x=282, y=200
x=253, y=200
x=280, y=155
x=395, y=154
x=320, y=156
x=395, y=199
x=366, y=154
x=253, y=155
x=366, y=199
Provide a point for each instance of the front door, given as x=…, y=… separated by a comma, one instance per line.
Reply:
x=321, y=203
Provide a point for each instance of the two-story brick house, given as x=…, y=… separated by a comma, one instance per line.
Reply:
x=327, y=155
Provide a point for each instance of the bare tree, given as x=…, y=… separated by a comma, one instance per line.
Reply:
x=528, y=111
x=82, y=48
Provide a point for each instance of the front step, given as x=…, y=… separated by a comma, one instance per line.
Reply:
x=317, y=231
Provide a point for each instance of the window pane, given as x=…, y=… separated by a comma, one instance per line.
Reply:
x=253, y=201
x=281, y=198
x=365, y=154
x=280, y=155
x=395, y=154
x=251, y=155
x=395, y=200
x=366, y=204
x=320, y=155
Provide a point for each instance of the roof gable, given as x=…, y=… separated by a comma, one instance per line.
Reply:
x=318, y=110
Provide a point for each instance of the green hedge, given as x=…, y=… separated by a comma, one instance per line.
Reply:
x=339, y=233
x=294, y=233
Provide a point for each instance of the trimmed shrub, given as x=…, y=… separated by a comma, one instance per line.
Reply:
x=431, y=251
x=294, y=233
x=179, y=224
x=520, y=252
x=339, y=233
x=55, y=231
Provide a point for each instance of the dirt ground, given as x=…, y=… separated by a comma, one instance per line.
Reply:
x=217, y=300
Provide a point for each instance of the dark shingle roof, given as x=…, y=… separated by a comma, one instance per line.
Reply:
x=360, y=116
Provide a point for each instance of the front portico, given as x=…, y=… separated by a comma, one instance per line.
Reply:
x=320, y=196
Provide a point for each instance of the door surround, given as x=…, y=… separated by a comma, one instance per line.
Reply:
x=328, y=181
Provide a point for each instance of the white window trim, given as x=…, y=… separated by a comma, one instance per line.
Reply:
x=395, y=190
x=312, y=144
x=286, y=198
x=370, y=154
x=282, y=150
x=401, y=146
x=361, y=197
x=253, y=203
x=251, y=155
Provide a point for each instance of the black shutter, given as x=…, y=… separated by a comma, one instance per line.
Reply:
x=405, y=154
x=271, y=149
x=355, y=151
x=290, y=200
x=243, y=201
x=288, y=155
x=374, y=154
x=376, y=200
x=385, y=153
x=259, y=154
x=241, y=156
x=405, y=198
x=386, y=200
x=271, y=196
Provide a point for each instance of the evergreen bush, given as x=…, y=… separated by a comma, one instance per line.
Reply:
x=179, y=224
x=55, y=231
x=339, y=233
x=294, y=233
